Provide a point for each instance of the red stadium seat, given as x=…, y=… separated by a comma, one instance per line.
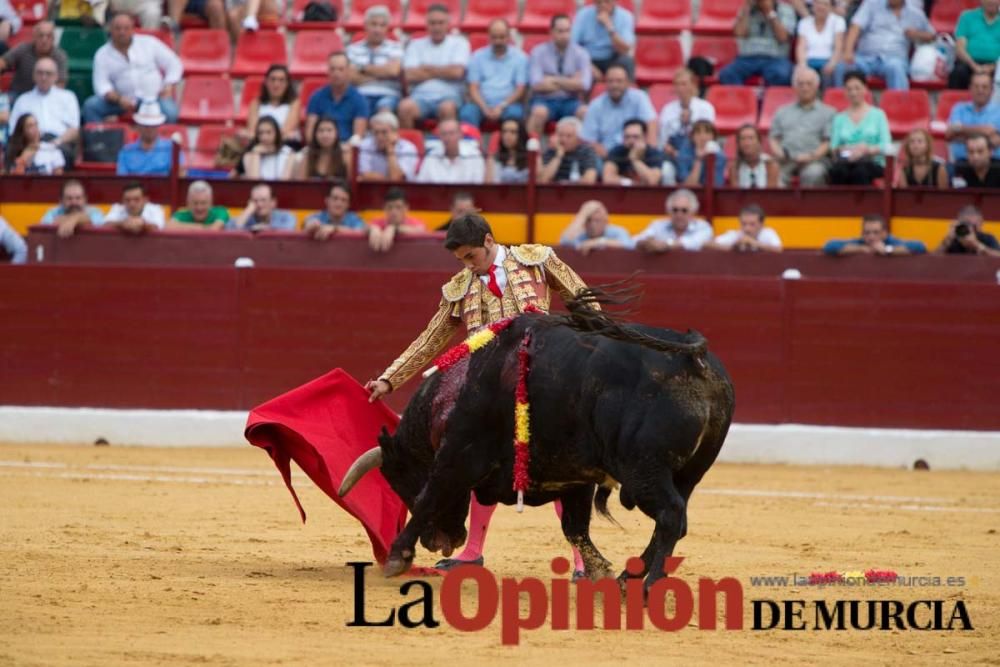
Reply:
x=597, y=90
x=206, y=99
x=205, y=51
x=734, y=106
x=416, y=14
x=250, y=92
x=311, y=50
x=657, y=59
x=538, y=14
x=306, y=90
x=167, y=131
x=256, y=51
x=207, y=145
x=907, y=110
x=775, y=97
x=717, y=17
x=661, y=94
x=298, y=21
x=837, y=98
x=356, y=20
x=163, y=34
x=30, y=11
x=661, y=17
x=532, y=40
x=479, y=13
x=477, y=40
x=945, y=13
x=22, y=35
x=415, y=137
x=719, y=50
x=945, y=101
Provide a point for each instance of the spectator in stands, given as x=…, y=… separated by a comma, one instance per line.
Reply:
x=213, y=11
x=570, y=160
x=692, y=157
x=12, y=243
x=560, y=77
x=966, y=236
x=336, y=216
x=764, y=30
x=55, y=109
x=820, y=43
x=497, y=76
x=859, y=137
x=150, y=155
x=752, y=236
x=23, y=57
x=605, y=119
x=979, y=171
x=324, y=157
x=919, y=167
x=377, y=62
x=127, y=71
x=266, y=158
x=461, y=203
x=72, y=213
x=383, y=155
x=804, y=7
x=279, y=100
x=977, y=43
x=875, y=240
x=200, y=213
x=396, y=221
x=27, y=153
x=590, y=230
x=135, y=214
x=246, y=14
x=510, y=163
x=752, y=168
x=149, y=13
x=262, y=212
x=434, y=68
x=340, y=101
x=456, y=161
x=800, y=133
x=607, y=31
x=681, y=231
x=879, y=39
x=10, y=23
x=634, y=161
x=978, y=116
x=680, y=114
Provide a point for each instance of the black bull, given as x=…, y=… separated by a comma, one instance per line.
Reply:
x=611, y=403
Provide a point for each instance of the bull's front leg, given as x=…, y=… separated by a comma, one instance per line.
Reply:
x=577, y=506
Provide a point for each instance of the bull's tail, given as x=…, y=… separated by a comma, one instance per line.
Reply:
x=583, y=316
x=601, y=503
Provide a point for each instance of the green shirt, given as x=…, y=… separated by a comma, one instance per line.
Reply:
x=215, y=214
x=873, y=130
x=983, y=39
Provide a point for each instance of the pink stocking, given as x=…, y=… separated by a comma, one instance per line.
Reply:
x=479, y=523
x=577, y=558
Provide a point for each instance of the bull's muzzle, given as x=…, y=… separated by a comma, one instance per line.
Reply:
x=362, y=466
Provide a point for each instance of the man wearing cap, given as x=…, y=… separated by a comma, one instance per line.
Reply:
x=151, y=155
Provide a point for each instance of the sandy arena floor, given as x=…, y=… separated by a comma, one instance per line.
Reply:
x=122, y=556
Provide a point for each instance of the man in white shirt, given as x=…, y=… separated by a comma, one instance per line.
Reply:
x=681, y=231
x=377, y=62
x=458, y=162
x=55, y=109
x=678, y=116
x=752, y=236
x=127, y=71
x=383, y=155
x=434, y=67
x=135, y=214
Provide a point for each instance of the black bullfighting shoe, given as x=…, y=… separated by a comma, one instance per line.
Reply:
x=446, y=564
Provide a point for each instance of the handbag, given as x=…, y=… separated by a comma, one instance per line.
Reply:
x=319, y=10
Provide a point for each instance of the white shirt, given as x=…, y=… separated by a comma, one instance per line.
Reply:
x=56, y=111
x=361, y=53
x=697, y=234
x=767, y=236
x=151, y=213
x=371, y=161
x=819, y=45
x=500, y=273
x=468, y=167
x=138, y=76
x=279, y=112
x=272, y=166
x=453, y=50
x=47, y=159
x=670, y=117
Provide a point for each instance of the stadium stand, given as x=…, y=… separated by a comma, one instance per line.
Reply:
x=311, y=50
x=717, y=16
x=416, y=14
x=662, y=17
x=205, y=51
x=479, y=13
x=206, y=99
x=775, y=97
x=538, y=13
x=256, y=51
x=356, y=20
x=657, y=60
x=907, y=110
x=734, y=106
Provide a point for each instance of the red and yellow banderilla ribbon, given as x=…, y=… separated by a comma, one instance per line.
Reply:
x=522, y=422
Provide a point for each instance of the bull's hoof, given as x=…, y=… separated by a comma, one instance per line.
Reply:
x=578, y=575
x=396, y=565
x=451, y=563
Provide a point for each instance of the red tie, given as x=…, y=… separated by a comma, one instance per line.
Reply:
x=492, y=284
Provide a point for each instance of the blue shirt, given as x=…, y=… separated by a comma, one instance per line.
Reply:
x=965, y=113
x=594, y=37
x=834, y=247
x=280, y=219
x=498, y=77
x=605, y=119
x=351, y=220
x=134, y=161
x=13, y=244
x=882, y=34
x=95, y=215
x=343, y=111
x=611, y=233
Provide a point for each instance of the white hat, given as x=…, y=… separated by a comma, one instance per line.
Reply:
x=149, y=114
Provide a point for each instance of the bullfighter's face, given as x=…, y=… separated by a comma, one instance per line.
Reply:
x=478, y=259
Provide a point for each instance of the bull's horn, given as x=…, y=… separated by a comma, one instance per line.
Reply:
x=362, y=466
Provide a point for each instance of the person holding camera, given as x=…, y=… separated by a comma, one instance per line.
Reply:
x=763, y=29
x=966, y=237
